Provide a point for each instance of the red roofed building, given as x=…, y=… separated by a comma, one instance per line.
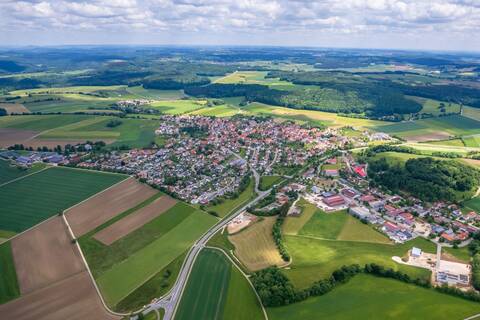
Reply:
x=448, y=237
x=368, y=198
x=408, y=218
x=360, y=170
x=391, y=226
x=334, y=201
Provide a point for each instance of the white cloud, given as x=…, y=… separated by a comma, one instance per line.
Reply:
x=265, y=18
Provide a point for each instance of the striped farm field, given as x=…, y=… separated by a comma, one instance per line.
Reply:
x=30, y=200
x=255, y=247
x=216, y=290
x=124, y=266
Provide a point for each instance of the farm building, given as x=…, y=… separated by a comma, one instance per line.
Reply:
x=360, y=212
x=333, y=201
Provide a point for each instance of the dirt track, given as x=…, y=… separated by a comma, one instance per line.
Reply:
x=135, y=220
x=45, y=255
x=102, y=207
x=72, y=298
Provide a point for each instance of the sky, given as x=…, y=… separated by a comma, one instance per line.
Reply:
x=396, y=24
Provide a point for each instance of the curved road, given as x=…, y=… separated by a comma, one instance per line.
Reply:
x=170, y=301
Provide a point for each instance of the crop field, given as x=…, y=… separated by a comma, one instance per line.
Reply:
x=433, y=128
x=472, y=141
x=178, y=106
x=30, y=200
x=226, y=207
x=314, y=117
x=140, y=255
x=8, y=277
x=241, y=303
x=210, y=277
x=266, y=182
x=226, y=294
x=369, y=297
x=473, y=113
x=450, y=142
x=156, y=286
x=255, y=247
x=40, y=122
x=9, y=172
x=141, y=92
x=217, y=111
x=315, y=259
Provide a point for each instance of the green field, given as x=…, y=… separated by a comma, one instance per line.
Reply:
x=227, y=206
x=266, y=182
x=40, y=123
x=126, y=275
x=216, y=289
x=293, y=225
x=10, y=172
x=8, y=277
x=154, y=94
x=30, y=200
x=473, y=204
x=223, y=110
x=443, y=127
x=472, y=141
x=156, y=286
x=315, y=259
x=460, y=253
x=430, y=106
x=369, y=297
x=178, y=106
x=254, y=77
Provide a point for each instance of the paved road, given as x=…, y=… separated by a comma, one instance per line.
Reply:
x=170, y=301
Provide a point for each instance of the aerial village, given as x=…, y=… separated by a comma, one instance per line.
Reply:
x=204, y=159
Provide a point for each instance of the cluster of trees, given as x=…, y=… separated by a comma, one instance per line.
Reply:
x=277, y=232
x=114, y=123
x=3, y=112
x=275, y=289
x=427, y=178
x=476, y=271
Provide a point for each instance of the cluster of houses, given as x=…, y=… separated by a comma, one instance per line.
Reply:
x=204, y=158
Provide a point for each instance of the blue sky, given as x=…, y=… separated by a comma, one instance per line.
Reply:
x=406, y=24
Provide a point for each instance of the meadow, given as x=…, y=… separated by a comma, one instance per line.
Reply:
x=9, y=288
x=433, y=107
x=28, y=201
x=125, y=276
x=369, y=297
x=40, y=122
x=254, y=77
x=315, y=259
x=226, y=294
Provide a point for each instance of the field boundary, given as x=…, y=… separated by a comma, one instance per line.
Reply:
x=336, y=240
x=88, y=269
x=27, y=175
x=244, y=275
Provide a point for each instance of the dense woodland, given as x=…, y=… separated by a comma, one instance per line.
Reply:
x=426, y=178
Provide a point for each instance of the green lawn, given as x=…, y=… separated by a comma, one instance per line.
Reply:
x=459, y=253
x=227, y=206
x=225, y=293
x=293, y=225
x=8, y=276
x=30, y=200
x=369, y=297
x=315, y=259
x=9, y=172
x=125, y=277
x=266, y=182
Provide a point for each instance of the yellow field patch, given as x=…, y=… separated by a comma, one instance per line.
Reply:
x=255, y=247
x=14, y=108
